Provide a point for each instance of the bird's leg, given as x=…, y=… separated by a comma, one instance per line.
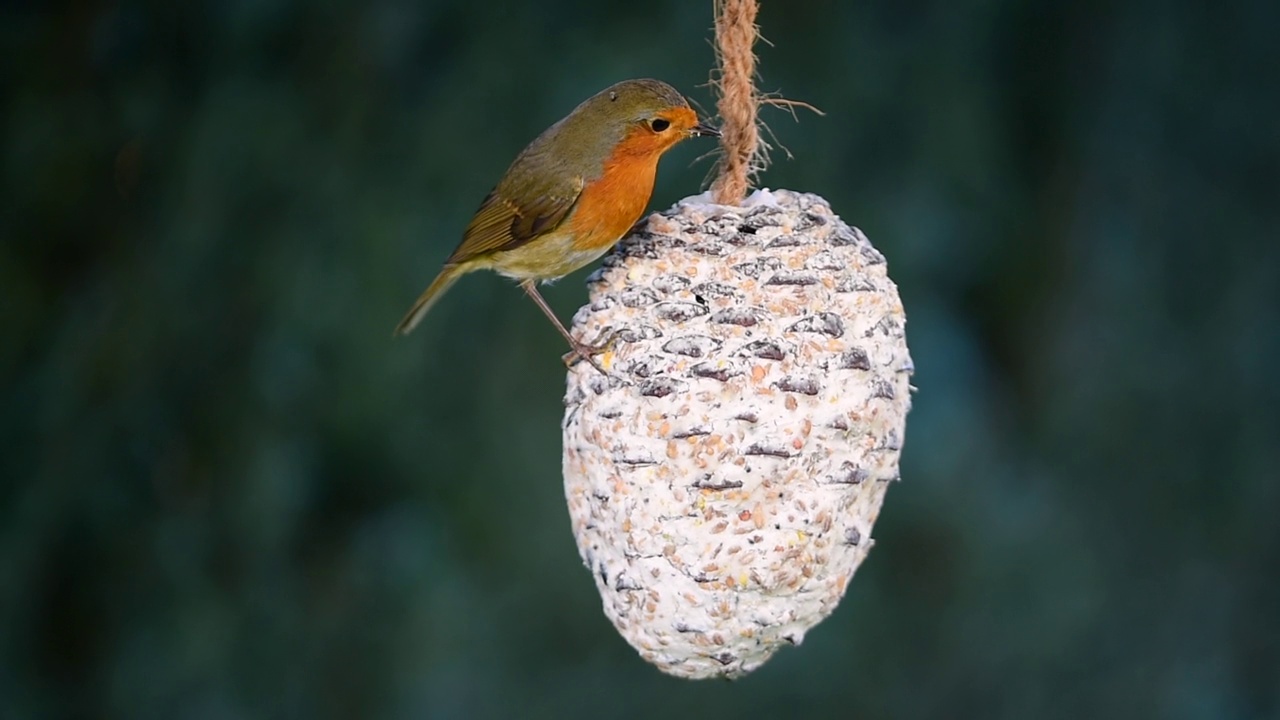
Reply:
x=580, y=349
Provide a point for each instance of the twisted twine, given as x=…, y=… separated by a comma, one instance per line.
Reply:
x=736, y=33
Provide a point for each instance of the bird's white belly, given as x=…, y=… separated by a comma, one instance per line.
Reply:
x=549, y=257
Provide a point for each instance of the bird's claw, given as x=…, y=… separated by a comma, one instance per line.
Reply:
x=583, y=351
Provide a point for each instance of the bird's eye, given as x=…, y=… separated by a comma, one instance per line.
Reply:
x=659, y=125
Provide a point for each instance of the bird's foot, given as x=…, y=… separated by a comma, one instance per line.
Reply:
x=590, y=353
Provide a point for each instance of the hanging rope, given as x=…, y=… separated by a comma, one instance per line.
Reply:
x=736, y=33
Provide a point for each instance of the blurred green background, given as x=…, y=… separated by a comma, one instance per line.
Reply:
x=227, y=493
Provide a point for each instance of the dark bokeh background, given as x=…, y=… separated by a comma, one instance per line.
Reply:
x=228, y=494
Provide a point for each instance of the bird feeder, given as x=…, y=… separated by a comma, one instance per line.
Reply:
x=724, y=476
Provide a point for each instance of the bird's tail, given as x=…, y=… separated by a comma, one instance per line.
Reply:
x=448, y=276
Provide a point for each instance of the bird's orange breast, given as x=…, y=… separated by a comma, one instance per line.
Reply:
x=611, y=204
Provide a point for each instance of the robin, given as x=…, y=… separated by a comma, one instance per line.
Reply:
x=571, y=194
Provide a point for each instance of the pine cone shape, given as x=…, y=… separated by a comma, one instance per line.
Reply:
x=723, y=479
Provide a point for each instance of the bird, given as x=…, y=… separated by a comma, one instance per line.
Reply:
x=571, y=195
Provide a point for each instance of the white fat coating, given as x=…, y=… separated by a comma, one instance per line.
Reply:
x=703, y=203
x=724, y=481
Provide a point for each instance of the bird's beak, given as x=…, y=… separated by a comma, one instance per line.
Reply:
x=704, y=129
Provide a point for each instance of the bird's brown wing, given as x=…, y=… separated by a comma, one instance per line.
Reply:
x=503, y=224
